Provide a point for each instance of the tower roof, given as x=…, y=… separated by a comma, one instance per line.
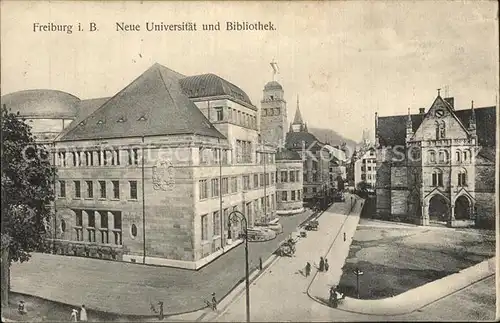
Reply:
x=273, y=85
x=298, y=116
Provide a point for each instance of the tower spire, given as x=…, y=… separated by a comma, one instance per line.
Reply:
x=298, y=116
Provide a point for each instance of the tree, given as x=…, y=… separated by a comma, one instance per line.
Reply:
x=27, y=193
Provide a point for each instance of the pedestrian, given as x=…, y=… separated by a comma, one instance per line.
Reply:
x=321, y=264
x=344, y=236
x=214, y=302
x=326, y=265
x=160, y=314
x=74, y=315
x=21, y=307
x=308, y=269
x=83, y=313
x=260, y=263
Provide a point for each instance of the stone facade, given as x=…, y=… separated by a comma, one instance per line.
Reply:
x=289, y=186
x=365, y=167
x=437, y=166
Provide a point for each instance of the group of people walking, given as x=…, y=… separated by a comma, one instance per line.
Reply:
x=323, y=266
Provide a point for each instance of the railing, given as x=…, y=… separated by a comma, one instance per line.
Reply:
x=84, y=249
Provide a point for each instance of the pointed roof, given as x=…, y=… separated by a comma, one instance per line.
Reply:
x=153, y=104
x=298, y=116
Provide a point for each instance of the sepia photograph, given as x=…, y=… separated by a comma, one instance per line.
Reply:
x=249, y=161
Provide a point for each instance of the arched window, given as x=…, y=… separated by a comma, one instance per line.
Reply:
x=437, y=178
x=462, y=178
x=63, y=226
x=432, y=156
x=442, y=130
x=437, y=130
x=459, y=156
x=443, y=156
x=466, y=156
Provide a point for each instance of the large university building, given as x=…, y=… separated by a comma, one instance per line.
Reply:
x=151, y=174
x=437, y=165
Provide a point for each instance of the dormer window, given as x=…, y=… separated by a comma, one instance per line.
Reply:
x=122, y=119
x=100, y=122
x=142, y=118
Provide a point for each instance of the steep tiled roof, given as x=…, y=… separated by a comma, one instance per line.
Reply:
x=488, y=153
x=42, y=103
x=153, y=104
x=294, y=140
x=208, y=85
x=392, y=130
x=298, y=116
x=285, y=154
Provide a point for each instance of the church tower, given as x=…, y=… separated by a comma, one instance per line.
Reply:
x=273, y=112
x=298, y=124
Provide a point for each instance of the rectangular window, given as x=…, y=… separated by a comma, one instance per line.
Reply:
x=292, y=198
x=230, y=114
x=284, y=195
x=261, y=180
x=78, y=189
x=292, y=176
x=79, y=218
x=136, y=156
x=105, y=154
x=99, y=158
x=116, y=189
x=314, y=189
x=117, y=229
x=440, y=179
x=104, y=219
x=234, y=184
x=225, y=186
x=90, y=189
x=298, y=195
x=256, y=180
x=62, y=188
x=91, y=218
x=216, y=223
x=203, y=186
x=297, y=174
x=284, y=176
x=246, y=182
x=215, y=187
x=102, y=188
x=204, y=227
x=219, y=114
x=133, y=190
x=434, y=179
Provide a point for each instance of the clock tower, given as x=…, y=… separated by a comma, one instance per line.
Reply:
x=273, y=113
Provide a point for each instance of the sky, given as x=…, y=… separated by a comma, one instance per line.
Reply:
x=345, y=59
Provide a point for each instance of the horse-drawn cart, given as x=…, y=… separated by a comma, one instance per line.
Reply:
x=286, y=248
x=312, y=225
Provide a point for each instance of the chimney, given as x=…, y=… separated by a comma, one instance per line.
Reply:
x=451, y=101
x=421, y=110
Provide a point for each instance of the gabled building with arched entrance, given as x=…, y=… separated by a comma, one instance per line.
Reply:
x=437, y=166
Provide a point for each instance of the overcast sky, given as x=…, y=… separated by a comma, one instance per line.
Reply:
x=346, y=60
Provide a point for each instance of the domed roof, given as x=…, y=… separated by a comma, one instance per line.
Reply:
x=42, y=103
x=285, y=154
x=273, y=85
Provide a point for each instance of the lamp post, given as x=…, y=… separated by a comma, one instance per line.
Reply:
x=235, y=216
x=358, y=273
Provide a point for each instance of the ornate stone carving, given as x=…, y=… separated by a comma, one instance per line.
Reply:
x=163, y=175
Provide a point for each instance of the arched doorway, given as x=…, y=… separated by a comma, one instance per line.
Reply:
x=439, y=210
x=462, y=208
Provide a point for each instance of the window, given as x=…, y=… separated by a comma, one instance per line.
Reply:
x=102, y=188
x=204, y=227
x=292, y=176
x=261, y=181
x=432, y=156
x=216, y=223
x=314, y=189
x=78, y=190
x=298, y=195
x=443, y=156
x=466, y=156
x=104, y=219
x=215, y=187
x=91, y=226
x=255, y=180
x=284, y=176
x=315, y=177
x=264, y=112
x=116, y=189
x=117, y=230
x=284, y=195
x=89, y=158
x=219, y=114
x=133, y=190
x=133, y=231
x=292, y=197
x=203, y=186
x=462, y=178
x=78, y=218
x=277, y=111
x=369, y=168
x=63, y=226
x=234, y=184
x=90, y=189
x=273, y=175
x=246, y=182
x=305, y=190
x=75, y=159
x=225, y=186
x=437, y=178
x=133, y=156
x=458, y=155
x=62, y=188
x=267, y=178
x=297, y=175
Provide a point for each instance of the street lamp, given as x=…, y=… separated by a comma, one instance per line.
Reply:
x=235, y=215
x=358, y=273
